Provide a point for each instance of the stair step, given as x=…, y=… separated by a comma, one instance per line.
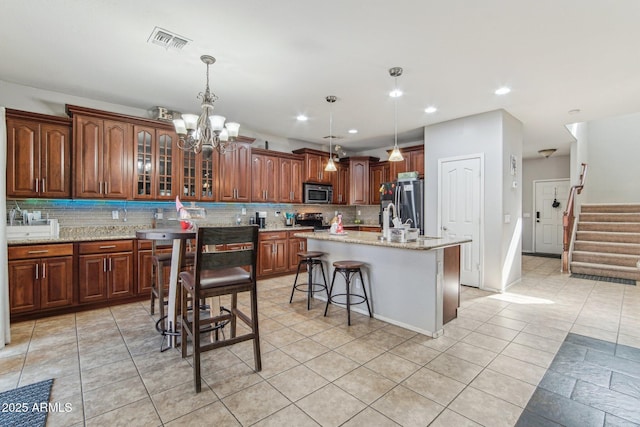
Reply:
x=605, y=236
x=610, y=207
x=614, y=260
x=610, y=217
x=605, y=270
x=607, y=247
x=628, y=227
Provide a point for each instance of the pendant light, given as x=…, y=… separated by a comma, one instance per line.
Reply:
x=396, y=155
x=331, y=166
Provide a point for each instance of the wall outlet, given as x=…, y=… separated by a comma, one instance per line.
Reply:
x=158, y=215
x=359, y=212
x=277, y=213
x=244, y=211
x=114, y=214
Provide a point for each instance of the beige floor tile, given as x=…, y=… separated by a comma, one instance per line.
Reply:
x=50, y=369
x=64, y=387
x=528, y=354
x=225, y=382
x=331, y=365
x=332, y=338
x=276, y=362
x=401, y=332
x=309, y=327
x=113, y=396
x=282, y=337
x=504, y=387
x=297, y=382
x=485, y=409
x=74, y=416
x=497, y=331
x=383, y=339
x=106, y=356
x=305, y=349
x=537, y=342
x=289, y=416
x=629, y=340
x=546, y=331
x=589, y=331
x=434, y=386
x=360, y=351
x=455, y=332
x=407, y=407
x=518, y=369
x=396, y=368
x=471, y=353
x=107, y=374
x=370, y=417
x=12, y=363
x=485, y=341
x=448, y=418
x=466, y=323
x=452, y=367
x=330, y=406
x=167, y=376
x=140, y=413
x=9, y=380
x=416, y=353
x=365, y=384
x=255, y=403
x=181, y=400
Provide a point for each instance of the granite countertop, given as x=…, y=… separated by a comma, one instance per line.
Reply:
x=89, y=234
x=371, y=238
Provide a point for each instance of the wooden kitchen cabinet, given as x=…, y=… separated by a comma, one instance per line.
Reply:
x=265, y=181
x=296, y=244
x=38, y=155
x=40, y=277
x=145, y=263
x=378, y=174
x=199, y=178
x=291, y=172
x=315, y=161
x=359, y=179
x=105, y=270
x=272, y=253
x=234, y=174
x=102, y=158
x=413, y=161
x=155, y=170
x=340, y=183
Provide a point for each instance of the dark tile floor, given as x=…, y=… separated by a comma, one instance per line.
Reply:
x=590, y=382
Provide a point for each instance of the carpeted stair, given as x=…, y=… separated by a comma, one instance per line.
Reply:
x=608, y=241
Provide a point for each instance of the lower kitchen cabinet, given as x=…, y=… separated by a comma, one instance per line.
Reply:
x=145, y=264
x=105, y=270
x=296, y=244
x=40, y=277
x=272, y=253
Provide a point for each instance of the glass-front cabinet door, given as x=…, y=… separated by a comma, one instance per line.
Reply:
x=199, y=176
x=208, y=176
x=165, y=141
x=189, y=176
x=144, y=162
x=154, y=175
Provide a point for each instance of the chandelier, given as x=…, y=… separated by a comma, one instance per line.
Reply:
x=206, y=132
x=331, y=166
x=396, y=155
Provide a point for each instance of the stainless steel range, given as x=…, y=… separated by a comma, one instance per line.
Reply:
x=311, y=219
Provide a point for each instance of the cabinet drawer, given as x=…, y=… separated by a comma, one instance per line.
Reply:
x=105, y=246
x=40, y=251
x=370, y=228
x=272, y=235
x=145, y=245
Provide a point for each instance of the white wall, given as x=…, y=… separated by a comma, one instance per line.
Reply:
x=495, y=134
x=554, y=167
x=613, y=155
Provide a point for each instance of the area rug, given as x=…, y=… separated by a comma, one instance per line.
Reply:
x=25, y=406
x=604, y=279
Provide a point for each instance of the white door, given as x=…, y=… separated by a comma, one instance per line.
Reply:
x=550, y=202
x=460, y=188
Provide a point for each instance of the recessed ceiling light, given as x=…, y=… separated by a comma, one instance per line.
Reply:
x=302, y=118
x=574, y=111
x=353, y=130
x=396, y=93
x=430, y=110
x=503, y=90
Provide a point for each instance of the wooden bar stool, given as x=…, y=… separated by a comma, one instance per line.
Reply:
x=347, y=269
x=160, y=284
x=310, y=259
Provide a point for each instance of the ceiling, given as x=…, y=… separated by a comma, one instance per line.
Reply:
x=280, y=58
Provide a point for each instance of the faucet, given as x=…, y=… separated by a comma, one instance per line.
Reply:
x=386, y=212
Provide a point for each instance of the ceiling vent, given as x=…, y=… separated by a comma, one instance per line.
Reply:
x=167, y=39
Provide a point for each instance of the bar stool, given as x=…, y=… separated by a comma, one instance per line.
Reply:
x=347, y=269
x=158, y=283
x=310, y=259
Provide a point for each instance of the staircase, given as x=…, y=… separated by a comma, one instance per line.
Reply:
x=607, y=241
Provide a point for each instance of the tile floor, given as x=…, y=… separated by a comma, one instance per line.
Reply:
x=317, y=371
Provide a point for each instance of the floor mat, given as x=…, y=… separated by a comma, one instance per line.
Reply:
x=26, y=406
x=604, y=279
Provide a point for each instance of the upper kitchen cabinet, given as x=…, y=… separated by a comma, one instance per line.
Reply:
x=315, y=161
x=264, y=177
x=102, y=156
x=291, y=175
x=199, y=176
x=413, y=161
x=340, y=183
x=359, y=179
x=38, y=155
x=155, y=170
x=378, y=173
x=234, y=173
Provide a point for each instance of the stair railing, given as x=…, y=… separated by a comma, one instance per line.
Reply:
x=568, y=219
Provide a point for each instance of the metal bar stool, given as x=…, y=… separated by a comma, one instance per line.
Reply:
x=310, y=259
x=348, y=269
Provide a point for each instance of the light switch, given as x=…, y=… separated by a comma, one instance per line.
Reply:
x=114, y=214
x=507, y=219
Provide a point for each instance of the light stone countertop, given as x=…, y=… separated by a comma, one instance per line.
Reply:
x=372, y=239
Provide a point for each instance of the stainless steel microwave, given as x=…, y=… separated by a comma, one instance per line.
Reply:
x=317, y=193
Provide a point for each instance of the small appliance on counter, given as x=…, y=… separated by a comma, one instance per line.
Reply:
x=289, y=218
x=311, y=219
x=261, y=219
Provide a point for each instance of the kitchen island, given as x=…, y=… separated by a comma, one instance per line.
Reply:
x=414, y=285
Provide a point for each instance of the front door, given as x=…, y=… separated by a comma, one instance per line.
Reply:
x=550, y=203
x=460, y=188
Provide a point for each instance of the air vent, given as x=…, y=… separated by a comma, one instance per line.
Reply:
x=332, y=137
x=167, y=39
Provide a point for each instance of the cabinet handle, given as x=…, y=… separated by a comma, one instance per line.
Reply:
x=43, y=187
x=106, y=189
x=108, y=247
x=44, y=251
x=100, y=187
x=37, y=271
x=290, y=195
x=37, y=186
x=110, y=264
x=44, y=271
x=104, y=264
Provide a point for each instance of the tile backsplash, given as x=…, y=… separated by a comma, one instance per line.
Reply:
x=96, y=213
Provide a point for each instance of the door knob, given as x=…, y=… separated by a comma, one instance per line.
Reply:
x=444, y=228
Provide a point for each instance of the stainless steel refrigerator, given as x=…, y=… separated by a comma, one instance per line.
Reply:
x=408, y=199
